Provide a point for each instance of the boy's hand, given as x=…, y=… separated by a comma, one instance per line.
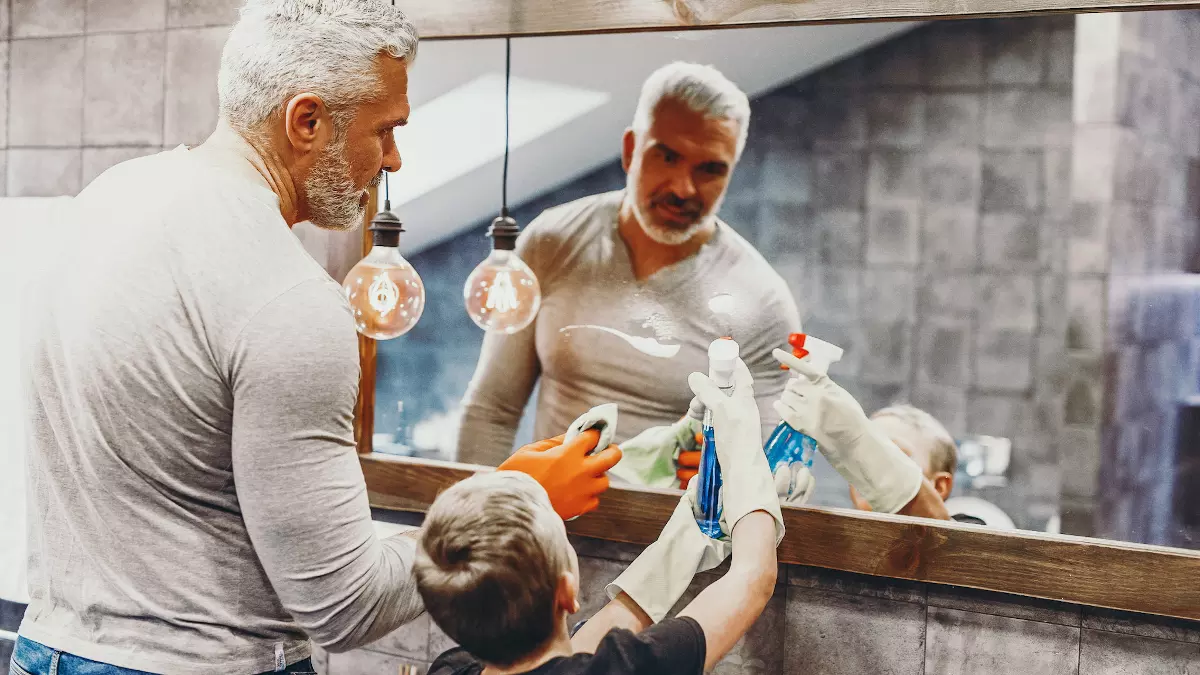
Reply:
x=815, y=405
x=747, y=483
x=573, y=478
x=661, y=574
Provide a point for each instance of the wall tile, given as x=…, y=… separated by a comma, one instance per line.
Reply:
x=1087, y=241
x=1026, y=118
x=897, y=62
x=886, y=588
x=839, y=292
x=1079, y=455
x=1003, y=359
x=105, y=15
x=1004, y=604
x=3, y=173
x=1005, y=415
x=947, y=404
x=46, y=92
x=1143, y=625
x=43, y=172
x=1056, y=173
x=786, y=228
x=1014, y=52
x=1060, y=56
x=841, y=236
x=876, y=395
x=894, y=174
x=1008, y=301
x=1103, y=653
x=954, y=54
x=1012, y=180
x=195, y=13
x=3, y=92
x=1129, y=225
x=1085, y=307
x=587, y=547
x=98, y=160
x=840, y=180
x=1093, y=162
x=887, y=355
x=889, y=294
x=953, y=119
x=193, y=59
x=948, y=295
x=836, y=634
x=948, y=238
x=896, y=119
x=5, y=24
x=1011, y=242
x=362, y=661
x=965, y=643
x=952, y=177
x=840, y=120
x=846, y=334
x=944, y=346
x=786, y=175
x=123, y=89
x=44, y=18
x=893, y=233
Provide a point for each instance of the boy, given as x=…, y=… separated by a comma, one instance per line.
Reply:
x=498, y=575
x=920, y=436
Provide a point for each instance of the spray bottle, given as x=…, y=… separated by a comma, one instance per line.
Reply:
x=722, y=358
x=790, y=453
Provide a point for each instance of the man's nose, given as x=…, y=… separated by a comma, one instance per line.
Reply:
x=682, y=184
x=391, y=154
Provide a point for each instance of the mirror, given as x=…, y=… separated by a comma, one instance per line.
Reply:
x=997, y=219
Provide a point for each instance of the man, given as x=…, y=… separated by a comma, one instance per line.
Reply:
x=196, y=504
x=637, y=283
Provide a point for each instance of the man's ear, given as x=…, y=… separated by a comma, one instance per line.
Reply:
x=943, y=483
x=305, y=121
x=628, y=143
x=566, y=595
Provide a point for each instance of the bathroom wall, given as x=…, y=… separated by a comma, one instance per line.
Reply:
x=914, y=199
x=835, y=623
x=1137, y=200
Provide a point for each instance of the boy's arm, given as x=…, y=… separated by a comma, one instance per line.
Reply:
x=620, y=612
x=726, y=609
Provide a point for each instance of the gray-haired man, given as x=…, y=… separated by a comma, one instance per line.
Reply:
x=637, y=283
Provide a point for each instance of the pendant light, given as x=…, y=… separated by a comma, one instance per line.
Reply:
x=386, y=294
x=502, y=294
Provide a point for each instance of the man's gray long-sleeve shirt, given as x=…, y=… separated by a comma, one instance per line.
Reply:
x=592, y=307
x=196, y=504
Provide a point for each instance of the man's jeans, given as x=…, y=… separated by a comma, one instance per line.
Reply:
x=32, y=658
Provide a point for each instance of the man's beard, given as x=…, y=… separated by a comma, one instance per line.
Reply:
x=334, y=203
x=666, y=234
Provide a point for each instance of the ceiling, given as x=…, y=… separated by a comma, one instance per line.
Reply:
x=572, y=97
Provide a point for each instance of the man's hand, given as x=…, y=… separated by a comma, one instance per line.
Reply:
x=649, y=458
x=688, y=463
x=573, y=478
x=814, y=405
x=661, y=574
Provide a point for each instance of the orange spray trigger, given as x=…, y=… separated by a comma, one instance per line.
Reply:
x=796, y=341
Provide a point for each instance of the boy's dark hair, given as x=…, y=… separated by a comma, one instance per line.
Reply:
x=490, y=558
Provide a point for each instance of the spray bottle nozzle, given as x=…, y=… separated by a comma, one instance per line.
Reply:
x=821, y=353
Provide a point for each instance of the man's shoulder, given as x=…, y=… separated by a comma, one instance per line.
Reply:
x=587, y=216
x=748, y=262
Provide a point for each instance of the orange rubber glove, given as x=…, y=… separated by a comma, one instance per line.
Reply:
x=573, y=478
x=689, y=463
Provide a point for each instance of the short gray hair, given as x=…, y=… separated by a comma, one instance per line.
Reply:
x=943, y=451
x=281, y=48
x=702, y=89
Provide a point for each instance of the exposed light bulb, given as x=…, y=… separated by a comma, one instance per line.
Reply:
x=502, y=294
x=386, y=294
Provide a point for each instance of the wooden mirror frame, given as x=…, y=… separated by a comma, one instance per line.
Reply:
x=1100, y=573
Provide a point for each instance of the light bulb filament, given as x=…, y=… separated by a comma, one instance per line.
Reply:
x=502, y=296
x=383, y=294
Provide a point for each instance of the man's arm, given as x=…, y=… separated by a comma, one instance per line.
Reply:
x=726, y=609
x=294, y=375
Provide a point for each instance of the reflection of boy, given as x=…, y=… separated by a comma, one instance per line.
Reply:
x=924, y=440
x=498, y=575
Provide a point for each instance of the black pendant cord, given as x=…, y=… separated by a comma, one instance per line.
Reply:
x=507, y=105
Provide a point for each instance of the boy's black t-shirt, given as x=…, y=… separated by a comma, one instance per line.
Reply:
x=670, y=647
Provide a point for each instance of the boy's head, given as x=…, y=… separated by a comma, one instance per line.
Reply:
x=922, y=438
x=495, y=569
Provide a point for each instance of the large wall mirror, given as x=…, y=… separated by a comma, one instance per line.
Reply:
x=997, y=219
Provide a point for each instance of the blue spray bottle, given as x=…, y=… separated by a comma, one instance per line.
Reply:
x=790, y=453
x=722, y=358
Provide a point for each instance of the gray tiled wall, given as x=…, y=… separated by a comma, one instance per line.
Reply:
x=835, y=623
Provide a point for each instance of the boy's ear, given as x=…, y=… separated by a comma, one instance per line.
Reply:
x=566, y=596
x=943, y=483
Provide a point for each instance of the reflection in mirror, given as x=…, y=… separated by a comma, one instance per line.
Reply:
x=996, y=219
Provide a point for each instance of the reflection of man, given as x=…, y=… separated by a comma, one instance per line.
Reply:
x=196, y=504
x=636, y=283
